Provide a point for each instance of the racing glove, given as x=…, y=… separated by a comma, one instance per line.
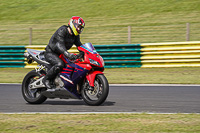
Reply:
x=70, y=56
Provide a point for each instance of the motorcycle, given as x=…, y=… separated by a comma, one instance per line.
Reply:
x=82, y=78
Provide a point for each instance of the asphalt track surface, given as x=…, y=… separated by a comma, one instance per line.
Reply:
x=138, y=98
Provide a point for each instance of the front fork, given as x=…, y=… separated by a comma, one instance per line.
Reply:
x=91, y=77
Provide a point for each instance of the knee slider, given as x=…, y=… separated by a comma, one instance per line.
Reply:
x=60, y=65
x=57, y=69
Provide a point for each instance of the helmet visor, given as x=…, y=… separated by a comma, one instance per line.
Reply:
x=79, y=27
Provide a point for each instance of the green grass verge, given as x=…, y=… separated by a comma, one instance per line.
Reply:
x=106, y=21
x=183, y=75
x=98, y=123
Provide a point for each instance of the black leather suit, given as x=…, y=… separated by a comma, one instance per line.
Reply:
x=60, y=42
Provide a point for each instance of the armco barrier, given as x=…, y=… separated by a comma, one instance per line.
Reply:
x=12, y=56
x=174, y=54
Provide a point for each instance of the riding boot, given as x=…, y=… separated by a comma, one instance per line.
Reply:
x=49, y=77
x=47, y=83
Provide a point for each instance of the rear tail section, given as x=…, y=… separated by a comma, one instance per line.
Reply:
x=38, y=56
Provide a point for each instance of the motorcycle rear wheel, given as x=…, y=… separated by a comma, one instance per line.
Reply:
x=32, y=96
x=98, y=94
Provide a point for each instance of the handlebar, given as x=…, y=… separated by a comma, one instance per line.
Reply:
x=78, y=56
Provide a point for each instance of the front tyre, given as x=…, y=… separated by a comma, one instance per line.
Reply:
x=97, y=95
x=32, y=96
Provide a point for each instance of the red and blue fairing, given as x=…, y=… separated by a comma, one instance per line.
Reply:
x=91, y=65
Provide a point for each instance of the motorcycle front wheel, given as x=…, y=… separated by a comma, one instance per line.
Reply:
x=32, y=96
x=97, y=95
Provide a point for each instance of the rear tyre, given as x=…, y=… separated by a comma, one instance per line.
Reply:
x=97, y=95
x=32, y=96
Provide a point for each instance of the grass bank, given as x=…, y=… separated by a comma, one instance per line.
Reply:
x=183, y=75
x=98, y=123
x=106, y=21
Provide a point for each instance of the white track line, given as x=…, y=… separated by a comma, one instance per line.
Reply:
x=93, y=113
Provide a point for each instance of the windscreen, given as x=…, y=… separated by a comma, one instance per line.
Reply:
x=89, y=47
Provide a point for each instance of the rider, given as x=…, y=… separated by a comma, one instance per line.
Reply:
x=61, y=41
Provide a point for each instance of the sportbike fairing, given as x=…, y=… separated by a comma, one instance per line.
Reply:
x=89, y=47
x=91, y=55
x=74, y=72
x=71, y=75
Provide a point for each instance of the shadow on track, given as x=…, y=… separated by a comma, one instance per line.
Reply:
x=106, y=103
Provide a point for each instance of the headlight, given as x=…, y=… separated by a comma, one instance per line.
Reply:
x=94, y=62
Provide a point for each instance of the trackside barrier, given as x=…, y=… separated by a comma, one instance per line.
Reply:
x=172, y=54
x=12, y=56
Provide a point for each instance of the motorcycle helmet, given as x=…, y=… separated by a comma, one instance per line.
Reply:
x=76, y=24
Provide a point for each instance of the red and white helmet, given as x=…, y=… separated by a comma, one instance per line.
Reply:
x=77, y=25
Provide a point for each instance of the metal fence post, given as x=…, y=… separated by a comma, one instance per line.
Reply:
x=187, y=31
x=30, y=36
x=129, y=34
